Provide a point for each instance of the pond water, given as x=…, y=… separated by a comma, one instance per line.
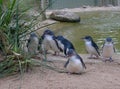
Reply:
x=98, y=24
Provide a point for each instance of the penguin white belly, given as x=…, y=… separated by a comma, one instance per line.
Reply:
x=60, y=45
x=49, y=37
x=108, y=51
x=91, y=49
x=53, y=46
x=75, y=66
x=45, y=44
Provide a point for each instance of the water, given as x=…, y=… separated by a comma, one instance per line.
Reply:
x=99, y=25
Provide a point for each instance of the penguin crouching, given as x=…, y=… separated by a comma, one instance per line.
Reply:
x=108, y=49
x=49, y=42
x=32, y=44
x=64, y=44
x=91, y=47
x=74, y=63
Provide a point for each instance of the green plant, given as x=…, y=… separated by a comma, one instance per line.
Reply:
x=10, y=31
x=12, y=34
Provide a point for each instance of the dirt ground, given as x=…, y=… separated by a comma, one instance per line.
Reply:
x=98, y=75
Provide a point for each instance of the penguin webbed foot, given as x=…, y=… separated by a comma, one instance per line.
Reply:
x=93, y=57
x=44, y=52
x=70, y=73
x=63, y=56
x=110, y=60
x=56, y=54
x=90, y=57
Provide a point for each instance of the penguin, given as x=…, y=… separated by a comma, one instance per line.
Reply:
x=91, y=47
x=64, y=44
x=49, y=42
x=74, y=64
x=108, y=49
x=32, y=44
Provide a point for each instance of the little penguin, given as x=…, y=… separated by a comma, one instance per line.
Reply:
x=91, y=47
x=74, y=64
x=49, y=42
x=64, y=44
x=32, y=44
x=108, y=49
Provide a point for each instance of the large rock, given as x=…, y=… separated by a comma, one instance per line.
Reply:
x=65, y=16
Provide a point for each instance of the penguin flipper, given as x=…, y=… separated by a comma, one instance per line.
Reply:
x=96, y=47
x=43, y=36
x=81, y=61
x=28, y=42
x=40, y=40
x=66, y=63
x=65, y=49
x=113, y=47
x=98, y=52
x=54, y=38
x=103, y=45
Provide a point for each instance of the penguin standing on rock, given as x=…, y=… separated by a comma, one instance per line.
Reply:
x=64, y=44
x=91, y=47
x=49, y=42
x=32, y=44
x=108, y=49
x=75, y=63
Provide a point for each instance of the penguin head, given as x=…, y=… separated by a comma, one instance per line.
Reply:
x=48, y=32
x=32, y=38
x=60, y=38
x=87, y=38
x=108, y=39
x=33, y=34
x=71, y=52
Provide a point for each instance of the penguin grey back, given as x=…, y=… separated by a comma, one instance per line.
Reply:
x=32, y=37
x=66, y=43
x=33, y=43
